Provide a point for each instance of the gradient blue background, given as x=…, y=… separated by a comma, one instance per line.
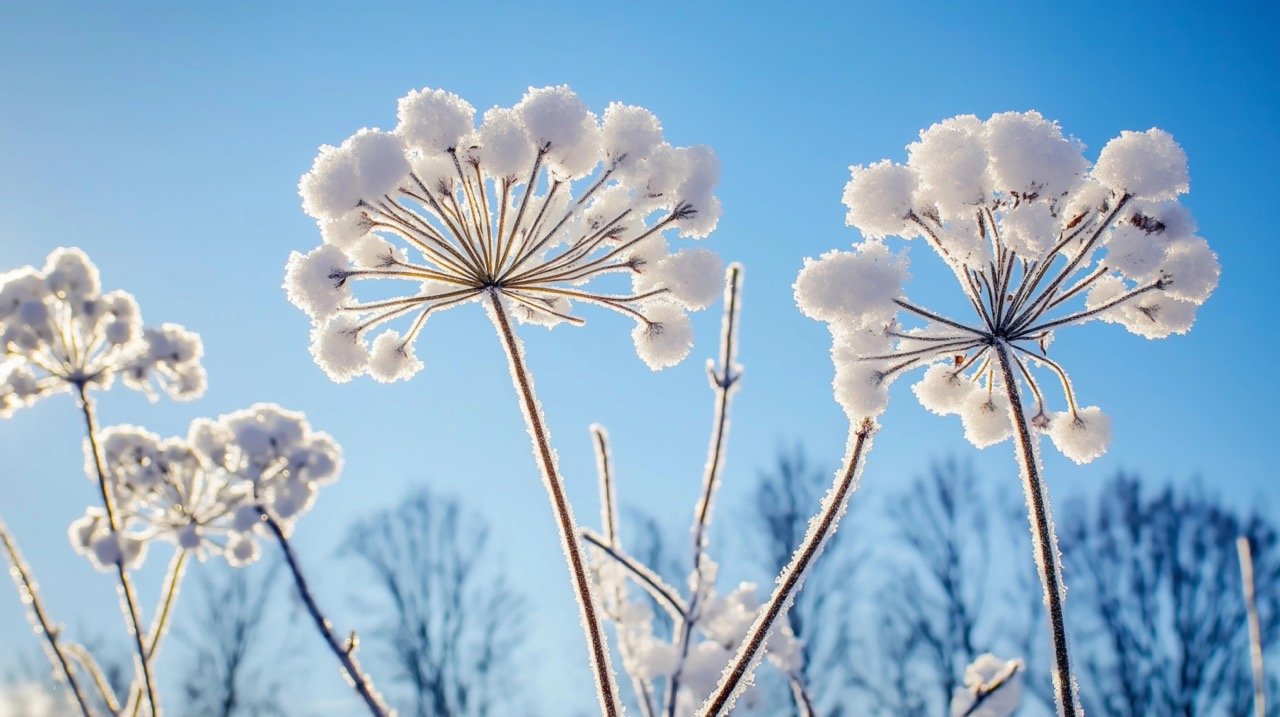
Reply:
x=166, y=140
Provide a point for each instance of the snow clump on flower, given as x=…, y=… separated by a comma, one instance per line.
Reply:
x=59, y=331
x=523, y=212
x=1037, y=239
x=207, y=492
x=992, y=688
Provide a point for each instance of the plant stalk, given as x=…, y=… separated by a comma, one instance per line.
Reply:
x=1255, y=627
x=345, y=653
x=598, y=647
x=1044, y=540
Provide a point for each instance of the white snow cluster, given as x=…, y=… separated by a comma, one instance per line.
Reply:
x=58, y=330
x=992, y=688
x=206, y=492
x=526, y=209
x=1037, y=238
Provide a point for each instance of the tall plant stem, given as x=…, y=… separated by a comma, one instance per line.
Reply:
x=1255, y=627
x=820, y=529
x=723, y=383
x=1044, y=540
x=132, y=615
x=345, y=652
x=29, y=594
x=606, y=688
x=160, y=625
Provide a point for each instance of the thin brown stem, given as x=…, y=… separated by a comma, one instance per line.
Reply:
x=133, y=615
x=644, y=577
x=820, y=529
x=29, y=595
x=1044, y=539
x=343, y=650
x=598, y=647
x=1255, y=627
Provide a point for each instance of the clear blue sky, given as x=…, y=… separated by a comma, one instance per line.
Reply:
x=166, y=139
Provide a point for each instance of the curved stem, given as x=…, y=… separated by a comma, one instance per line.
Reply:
x=132, y=614
x=1044, y=540
x=607, y=692
x=800, y=696
x=344, y=652
x=820, y=529
x=29, y=594
x=160, y=625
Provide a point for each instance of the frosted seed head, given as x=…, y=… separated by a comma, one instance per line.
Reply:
x=861, y=389
x=241, y=551
x=1081, y=437
x=70, y=275
x=666, y=338
x=374, y=252
x=951, y=162
x=433, y=120
x=693, y=277
x=985, y=416
x=1157, y=315
x=555, y=116
x=998, y=681
x=331, y=188
x=1029, y=155
x=380, y=162
x=629, y=134
x=879, y=198
x=338, y=349
x=942, y=391
x=1147, y=164
x=392, y=358
x=316, y=281
x=1136, y=253
x=506, y=149
x=1193, y=270
x=345, y=230
x=857, y=286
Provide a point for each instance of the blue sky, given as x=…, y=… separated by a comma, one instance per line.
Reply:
x=167, y=139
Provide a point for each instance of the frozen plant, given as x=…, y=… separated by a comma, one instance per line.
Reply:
x=1038, y=240
x=523, y=214
x=59, y=332
x=708, y=627
x=992, y=688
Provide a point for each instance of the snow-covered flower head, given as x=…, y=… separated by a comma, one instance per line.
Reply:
x=1037, y=239
x=206, y=492
x=58, y=330
x=526, y=209
x=992, y=688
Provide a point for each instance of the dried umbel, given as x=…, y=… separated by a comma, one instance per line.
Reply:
x=207, y=492
x=527, y=209
x=58, y=331
x=1037, y=240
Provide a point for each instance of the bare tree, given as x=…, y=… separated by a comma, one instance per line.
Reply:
x=231, y=647
x=454, y=625
x=1160, y=599
x=821, y=617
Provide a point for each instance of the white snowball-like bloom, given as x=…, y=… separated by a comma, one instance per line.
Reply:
x=523, y=212
x=665, y=337
x=209, y=491
x=58, y=332
x=879, y=198
x=1037, y=240
x=1147, y=164
x=992, y=688
x=1081, y=437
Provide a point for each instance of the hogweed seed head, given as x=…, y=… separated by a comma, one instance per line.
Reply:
x=206, y=492
x=1037, y=240
x=529, y=208
x=58, y=331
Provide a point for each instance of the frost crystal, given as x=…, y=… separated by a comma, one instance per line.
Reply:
x=1015, y=211
x=206, y=492
x=526, y=209
x=59, y=331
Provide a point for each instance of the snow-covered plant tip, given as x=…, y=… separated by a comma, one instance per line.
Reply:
x=59, y=331
x=992, y=688
x=526, y=209
x=207, y=492
x=1037, y=239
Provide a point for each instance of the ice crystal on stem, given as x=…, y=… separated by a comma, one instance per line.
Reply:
x=1038, y=240
x=527, y=214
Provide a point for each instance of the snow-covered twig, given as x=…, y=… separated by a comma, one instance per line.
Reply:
x=29, y=594
x=160, y=624
x=1255, y=627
